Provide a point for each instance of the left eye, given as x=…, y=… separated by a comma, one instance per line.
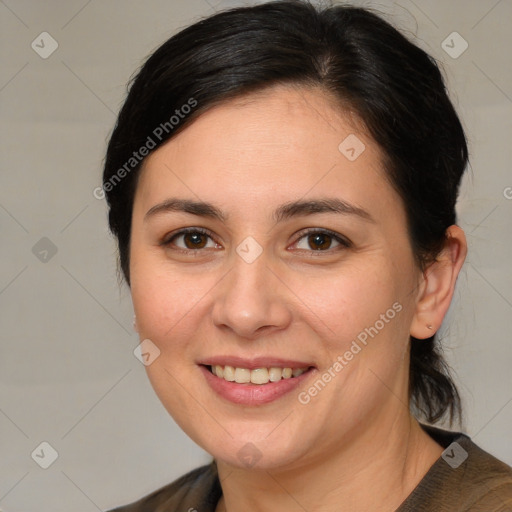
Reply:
x=321, y=241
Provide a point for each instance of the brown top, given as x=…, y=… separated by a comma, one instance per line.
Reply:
x=464, y=479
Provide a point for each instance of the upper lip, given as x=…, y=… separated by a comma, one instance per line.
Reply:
x=256, y=362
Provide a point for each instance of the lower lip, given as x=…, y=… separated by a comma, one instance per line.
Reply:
x=253, y=394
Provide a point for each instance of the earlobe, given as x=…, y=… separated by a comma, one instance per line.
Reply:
x=438, y=285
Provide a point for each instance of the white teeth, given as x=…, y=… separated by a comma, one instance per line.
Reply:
x=259, y=376
x=256, y=376
x=275, y=374
x=229, y=373
x=242, y=375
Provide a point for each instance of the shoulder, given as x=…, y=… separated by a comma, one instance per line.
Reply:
x=198, y=489
x=489, y=481
x=465, y=478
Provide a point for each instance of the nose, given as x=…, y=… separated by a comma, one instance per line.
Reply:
x=251, y=300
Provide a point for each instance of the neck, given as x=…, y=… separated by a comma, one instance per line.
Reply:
x=376, y=471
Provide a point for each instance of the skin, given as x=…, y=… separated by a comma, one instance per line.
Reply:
x=354, y=446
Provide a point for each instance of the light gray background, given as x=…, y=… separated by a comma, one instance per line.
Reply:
x=68, y=375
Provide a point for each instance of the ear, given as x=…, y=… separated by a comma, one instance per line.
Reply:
x=438, y=284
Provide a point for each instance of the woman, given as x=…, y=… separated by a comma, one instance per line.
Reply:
x=282, y=182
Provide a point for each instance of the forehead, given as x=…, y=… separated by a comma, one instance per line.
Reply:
x=280, y=143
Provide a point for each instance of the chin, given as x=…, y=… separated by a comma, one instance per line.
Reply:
x=254, y=453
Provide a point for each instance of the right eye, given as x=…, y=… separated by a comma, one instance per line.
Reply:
x=193, y=239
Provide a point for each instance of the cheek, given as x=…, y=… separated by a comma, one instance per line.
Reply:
x=345, y=303
x=163, y=294
x=167, y=304
x=361, y=319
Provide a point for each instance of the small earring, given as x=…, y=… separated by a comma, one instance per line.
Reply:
x=135, y=324
x=429, y=326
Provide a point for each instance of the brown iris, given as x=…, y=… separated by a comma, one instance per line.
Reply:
x=316, y=238
x=195, y=238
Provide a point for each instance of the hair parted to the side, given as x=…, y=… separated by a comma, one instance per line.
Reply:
x=393, y=86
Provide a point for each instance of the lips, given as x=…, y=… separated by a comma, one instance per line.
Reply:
x=241, y=389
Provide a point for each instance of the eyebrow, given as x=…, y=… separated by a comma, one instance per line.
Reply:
x=283, y=212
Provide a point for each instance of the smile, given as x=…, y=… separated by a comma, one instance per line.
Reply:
x=258, y=385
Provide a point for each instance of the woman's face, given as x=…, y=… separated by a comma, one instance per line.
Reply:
x=255, y=290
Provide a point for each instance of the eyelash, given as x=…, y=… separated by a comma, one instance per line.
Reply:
x=344, y=243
